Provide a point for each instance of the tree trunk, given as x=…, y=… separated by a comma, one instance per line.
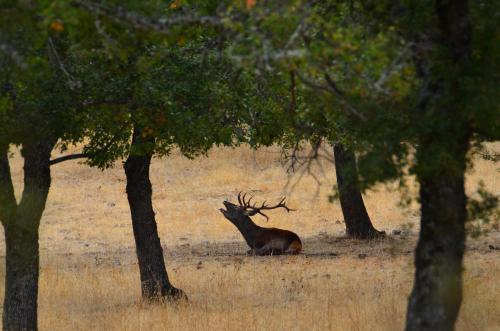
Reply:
x=441, y=163
x=154, y=278
x=358, y=223
x=437, y=291
x=21, y=279
x=21, y=238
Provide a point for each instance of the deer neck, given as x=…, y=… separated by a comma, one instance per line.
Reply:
x=248, y=229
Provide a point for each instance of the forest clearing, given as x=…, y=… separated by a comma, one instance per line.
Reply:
x=89, y=277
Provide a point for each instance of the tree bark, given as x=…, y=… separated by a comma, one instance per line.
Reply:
x=437, y=291
x=21, y=238
x=155, y=283
x=358, y=223
x=441, y=163
x=21, y=279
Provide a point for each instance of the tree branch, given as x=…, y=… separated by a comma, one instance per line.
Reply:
x=69, y=157
x=334, y=89
x=7, y=198
x=304, y=165
x=72, y=83
x=268, y=55
x=36, y=155
x=161, y=25
x=96, y=103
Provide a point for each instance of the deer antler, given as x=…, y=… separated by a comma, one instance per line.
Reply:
x=253, y=209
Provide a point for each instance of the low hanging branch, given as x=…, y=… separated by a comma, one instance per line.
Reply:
x=69, y=157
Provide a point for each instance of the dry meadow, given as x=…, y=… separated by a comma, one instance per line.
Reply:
x=90, y=280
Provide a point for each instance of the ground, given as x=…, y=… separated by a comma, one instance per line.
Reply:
x=90, y=280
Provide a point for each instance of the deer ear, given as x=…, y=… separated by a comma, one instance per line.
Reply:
x=249, y=212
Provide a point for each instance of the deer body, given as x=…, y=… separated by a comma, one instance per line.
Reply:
x=262, y=241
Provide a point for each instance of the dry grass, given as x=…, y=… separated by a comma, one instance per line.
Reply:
x=89, y=277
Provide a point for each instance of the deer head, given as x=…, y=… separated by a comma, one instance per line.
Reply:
x=245, y=209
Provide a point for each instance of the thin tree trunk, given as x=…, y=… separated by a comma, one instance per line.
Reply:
x=21, y=238
x=358, y=223
x=154, y=278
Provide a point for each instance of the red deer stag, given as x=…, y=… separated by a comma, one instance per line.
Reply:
x=262, y=241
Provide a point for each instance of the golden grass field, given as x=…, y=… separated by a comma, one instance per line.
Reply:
x=90, y=280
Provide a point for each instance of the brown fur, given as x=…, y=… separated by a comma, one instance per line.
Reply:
x=295, y=247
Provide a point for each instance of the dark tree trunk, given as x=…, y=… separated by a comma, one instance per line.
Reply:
x=437, y=291
x=154, y=278
x=358, y=223
x=21, y=279
x=21, y=238
x=441, y=163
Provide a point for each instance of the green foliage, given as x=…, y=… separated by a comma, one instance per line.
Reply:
x=37, y=102
x=376, y=77
x=339, y=78
x=177, y=89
